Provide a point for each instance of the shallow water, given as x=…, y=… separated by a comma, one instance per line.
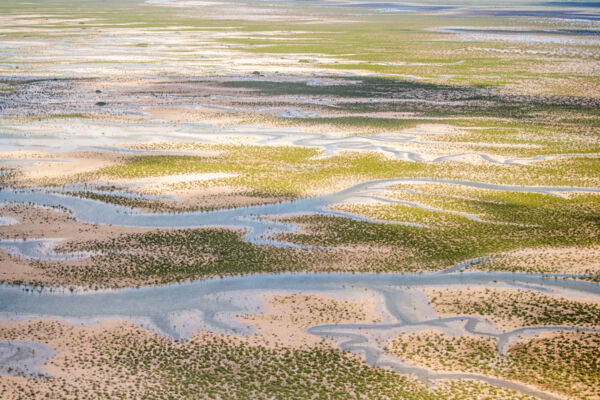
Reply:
x=39, y=249
x=23, y=358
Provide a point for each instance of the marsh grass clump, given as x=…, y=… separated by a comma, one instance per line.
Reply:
x=157, y=206
x=160, y=257
x=516, y=308
x=562, y=362
x=582, y=261
x=441, y=352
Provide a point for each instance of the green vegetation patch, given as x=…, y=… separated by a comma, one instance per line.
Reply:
x=169, y=256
